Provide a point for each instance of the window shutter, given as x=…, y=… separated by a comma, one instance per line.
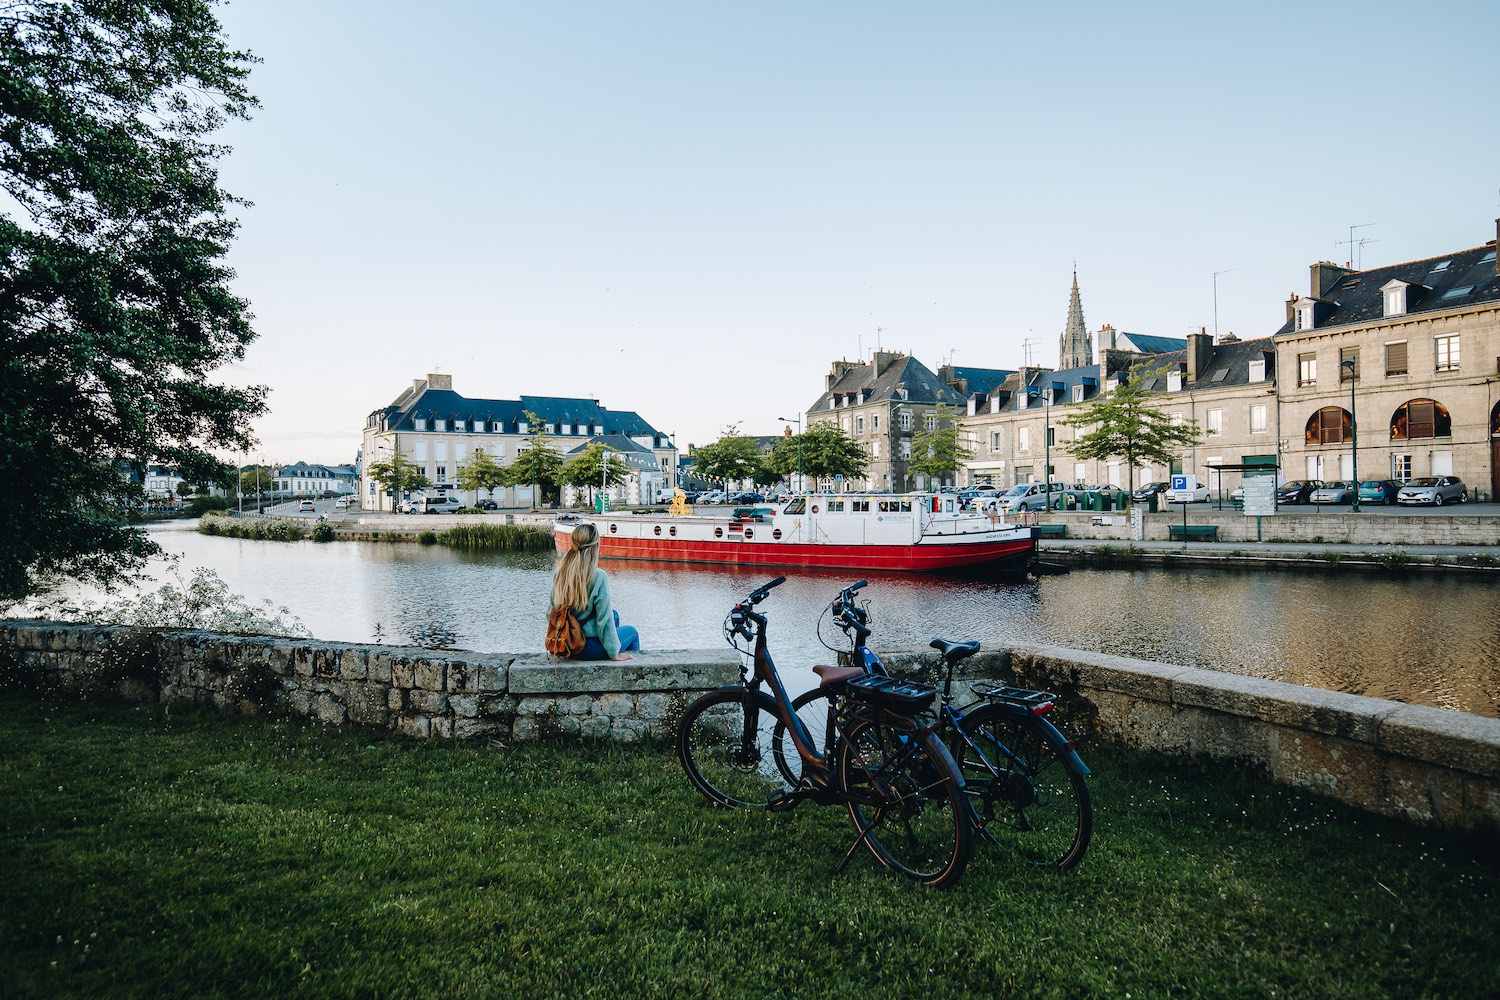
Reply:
x=1395, y=359
x=1423, y=422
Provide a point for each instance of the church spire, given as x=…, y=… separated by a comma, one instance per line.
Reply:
x=1075, y=347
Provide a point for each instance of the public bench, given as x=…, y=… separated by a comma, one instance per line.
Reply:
x=1187, y=532
x=1052, y=531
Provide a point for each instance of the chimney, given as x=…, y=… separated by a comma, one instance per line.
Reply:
x=838, y=371
x=1111, y=361
x=1325, y=275
x=440, y=382
x=883, y=360
x=1291, y=305
x=1200, y=349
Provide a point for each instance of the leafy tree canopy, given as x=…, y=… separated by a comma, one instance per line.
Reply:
x=480, y=472
x=115, y=301
x=826, y=452
x=540, y=466
x=732, y=456
x=399, y=474
x=940, y=451
x=586, y=471
x=1127, y=424
x=255, y=481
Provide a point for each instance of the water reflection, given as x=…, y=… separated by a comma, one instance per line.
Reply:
x=1427, y=639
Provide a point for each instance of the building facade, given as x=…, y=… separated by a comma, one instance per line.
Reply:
x=1403, y=362
x=881, y=404
x=434, y=427
x=301, y=479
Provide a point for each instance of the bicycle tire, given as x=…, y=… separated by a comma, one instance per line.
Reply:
x=710, y=746
x=904, y=794
x=815, y=719
x=1031, y=800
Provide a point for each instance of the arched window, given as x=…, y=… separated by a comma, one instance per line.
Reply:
x=1420, y=418
x=1330, y=425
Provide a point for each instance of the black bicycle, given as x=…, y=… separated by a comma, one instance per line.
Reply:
x=899, y=782
x=1023, y=778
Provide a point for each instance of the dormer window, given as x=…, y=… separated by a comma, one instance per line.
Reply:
x=973, y=406
x=901, y=391
x=1302, y=313
x=1022, y=400
x=419, y=424
x=521, y=427
x=1078, y=393
x=1257, y=371
x=1174, y=381
x=1394, y=295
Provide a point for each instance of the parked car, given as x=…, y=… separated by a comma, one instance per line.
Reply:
x=1031, y=496
x=409, y=507
x=1198, y=494
x=306, y=505
x=712, y=497
x=342, y=503
x=1147, y=491
x=1382, y=491
x=980, y=499
x=1334, y=492
x=441, y=505
x=1436, y=490
x=1298, y=491
x=486, y=505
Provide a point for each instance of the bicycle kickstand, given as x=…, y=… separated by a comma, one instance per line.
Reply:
x=864, y=836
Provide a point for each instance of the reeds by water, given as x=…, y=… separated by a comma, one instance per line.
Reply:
x=498, y=537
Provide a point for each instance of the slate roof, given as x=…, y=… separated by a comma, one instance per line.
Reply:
x=628, y=451
x=1232, y=359
x=1448, y=281
x=922, y=386
x=1061, y=380
x=445, y=404
x=981, y=380
x=304, y=470
x=1148, y=344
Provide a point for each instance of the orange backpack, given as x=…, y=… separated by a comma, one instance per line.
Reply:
x=564, y=634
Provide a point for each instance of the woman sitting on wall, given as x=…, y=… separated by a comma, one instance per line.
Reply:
x=582, y=586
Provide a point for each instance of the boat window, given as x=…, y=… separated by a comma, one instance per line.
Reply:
x=797, y=506
x=859, y=505
x=835, y=505
x=904, y=506
x=885, y=506
x=948, y=506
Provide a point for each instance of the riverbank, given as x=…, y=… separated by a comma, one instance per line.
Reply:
x=1288, y=556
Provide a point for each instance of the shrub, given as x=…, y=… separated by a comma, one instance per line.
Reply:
x=203, y=602
x=499, y=537
x=322, y=533
x=427, y=537
x=256, y=529
x=202, y=505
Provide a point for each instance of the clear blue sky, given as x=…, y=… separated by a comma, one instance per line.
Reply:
x=690, y=209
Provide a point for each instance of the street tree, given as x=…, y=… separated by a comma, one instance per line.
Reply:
x=826, y=452
x=940, y=451
x=254, y=482
x=587, y=469
x=115, y=300
x=539, y=466
x=732, y=456
x=185, y=489
x=480, y=472
x=1127, y=424
x=399, y=474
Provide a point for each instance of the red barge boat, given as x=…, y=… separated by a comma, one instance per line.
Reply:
x=911, y=532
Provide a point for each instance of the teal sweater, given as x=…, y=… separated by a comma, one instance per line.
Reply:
x=598, y=619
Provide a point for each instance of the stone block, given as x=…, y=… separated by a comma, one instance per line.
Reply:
x=469, y=729
x=302, y=661
x=526, y=729
x=1338, y=768
x=442, y=728
x=380, y=667
x=666, y=670
x=416, y=726
x=533, y=707
x=327, y=709
x=631, y=730
x=394, y=699
x=279, y=658
x=464, y=705
x=367, y=704
x=493, y=676
x=577, y=705
x=402, y=671
x=652, y=707
x=615, y=706
x=427, y=702
x=460, y=675
x=501, y=706
x=325, y=662
x=428, y=673
x=1452, y=739
x=595, y=727
x=354, y=664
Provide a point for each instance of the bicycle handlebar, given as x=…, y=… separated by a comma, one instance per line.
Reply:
x=759, y=593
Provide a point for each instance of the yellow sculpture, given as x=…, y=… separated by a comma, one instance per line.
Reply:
x=679, y=506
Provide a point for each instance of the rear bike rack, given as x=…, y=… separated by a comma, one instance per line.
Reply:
x=1022, y=700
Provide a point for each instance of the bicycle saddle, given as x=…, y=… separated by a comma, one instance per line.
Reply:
x=954, y=651
x=830, y=674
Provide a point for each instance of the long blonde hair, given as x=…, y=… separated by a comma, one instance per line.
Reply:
x=575, y=575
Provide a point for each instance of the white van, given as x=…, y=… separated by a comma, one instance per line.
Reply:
x=441, y=505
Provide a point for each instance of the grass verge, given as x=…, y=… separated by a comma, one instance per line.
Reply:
x=155, y=853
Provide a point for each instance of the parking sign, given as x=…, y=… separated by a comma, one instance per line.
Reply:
x=1180, y=483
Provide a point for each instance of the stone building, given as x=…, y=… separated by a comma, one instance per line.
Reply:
x=1075, y=348
x=438, y=429
x=1418, y=343
x=304, y=479
x=880, y=404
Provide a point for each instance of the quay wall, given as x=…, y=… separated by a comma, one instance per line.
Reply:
x=1310, y=529
x=1429, y=766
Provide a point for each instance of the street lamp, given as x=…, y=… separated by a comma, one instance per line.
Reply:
x=1353, y=432
x=798, y=422
x=1046, y=398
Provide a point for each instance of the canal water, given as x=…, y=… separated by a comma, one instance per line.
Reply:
x=1426, y=639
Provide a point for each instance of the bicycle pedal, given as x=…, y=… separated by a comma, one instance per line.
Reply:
x=784, y=801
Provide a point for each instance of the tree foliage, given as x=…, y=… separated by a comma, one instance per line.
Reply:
x=540, y=466
x=826, y=452
x=939, y=452
x=586, y=471
x=481, y=472
x=733, y=456
x=115, y=301
x=1127, y=424
x=255, y=481
x=399, y=474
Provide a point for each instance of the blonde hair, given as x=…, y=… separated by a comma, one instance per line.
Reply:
x=575, y=574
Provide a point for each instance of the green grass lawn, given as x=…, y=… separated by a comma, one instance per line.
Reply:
x=148, y=853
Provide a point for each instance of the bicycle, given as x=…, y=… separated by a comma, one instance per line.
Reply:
x=899, y=783
x=1023, y=779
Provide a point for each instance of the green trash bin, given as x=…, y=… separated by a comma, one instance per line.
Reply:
x=1106, y=501
x=1151, y=507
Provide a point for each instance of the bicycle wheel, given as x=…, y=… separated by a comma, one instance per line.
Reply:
x=718, y=760
x=812, y=708
x=903, y=793
x=1025, y=796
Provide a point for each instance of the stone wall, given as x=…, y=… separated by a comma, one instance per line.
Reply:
x=1317, y=529
x=1430, y=766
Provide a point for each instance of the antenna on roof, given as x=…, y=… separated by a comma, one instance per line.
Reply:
x=1352, y=244
x=878, y=331
x=1360, y=266
x=1026, y=346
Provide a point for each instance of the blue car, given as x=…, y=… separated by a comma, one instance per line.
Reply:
x=1381, y=491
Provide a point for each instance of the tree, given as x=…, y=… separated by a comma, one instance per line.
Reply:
x=1126, y=424
x=481, y=472
x=115, y=301
x=540, y=466
x=732, y=456
x=826, y=452
x=940, y=451
x=185, y=489
x=254, y=482
x=399, y=474
x=586, y=470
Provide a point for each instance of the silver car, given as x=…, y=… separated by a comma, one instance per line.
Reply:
x=1337, y=492
x=1436, y=490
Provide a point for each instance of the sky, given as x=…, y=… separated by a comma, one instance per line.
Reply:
x=690, y=210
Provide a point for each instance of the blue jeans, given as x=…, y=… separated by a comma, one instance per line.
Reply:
x=630, y=641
